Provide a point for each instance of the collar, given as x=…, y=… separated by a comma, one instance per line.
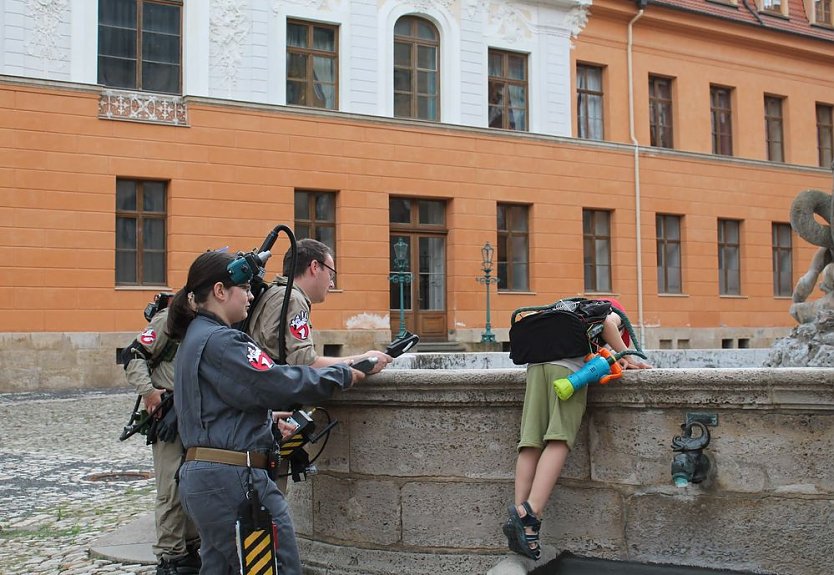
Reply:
x=282, y=281
x=211, y=316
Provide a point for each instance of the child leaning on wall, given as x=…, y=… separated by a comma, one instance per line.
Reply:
x=548, y=432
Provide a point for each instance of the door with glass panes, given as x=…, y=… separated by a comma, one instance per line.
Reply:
x=418, y=267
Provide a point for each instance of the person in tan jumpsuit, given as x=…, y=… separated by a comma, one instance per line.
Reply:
x=149, y=368
x=314, y=276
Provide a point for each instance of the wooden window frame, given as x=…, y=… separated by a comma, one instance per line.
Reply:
x=138, y=59
x=415, y=42
x=505, y=255
x=774, y=126
x=309, y=80
x=503, y=108
x=139, y=215
x=823, y=12
x=664, y=244
x=312, y=223
x=726, y=248
x=782, y=258
x=661, y=106
x=583, y=97
x=721, y=110
x=590, y=240
x=825, y=135
x=774, y=7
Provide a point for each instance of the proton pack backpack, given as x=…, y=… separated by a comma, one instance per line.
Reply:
x=570, y=327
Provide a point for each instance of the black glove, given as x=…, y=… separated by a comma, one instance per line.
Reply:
x=166, y=429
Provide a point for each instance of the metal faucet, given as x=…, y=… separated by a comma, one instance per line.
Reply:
x=690, y=465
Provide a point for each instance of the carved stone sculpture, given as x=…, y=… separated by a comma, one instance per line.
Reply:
x=811, y=343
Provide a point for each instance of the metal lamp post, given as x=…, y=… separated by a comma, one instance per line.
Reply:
x=486, y=255
x=401, y=277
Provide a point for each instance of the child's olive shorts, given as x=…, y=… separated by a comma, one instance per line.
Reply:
x=545, y=417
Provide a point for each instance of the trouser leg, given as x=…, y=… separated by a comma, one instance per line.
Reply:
x=274, y=500
x=174, y=529
x=211, y=493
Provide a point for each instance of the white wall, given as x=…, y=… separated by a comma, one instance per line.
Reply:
x=235, y=49
x=35, y=38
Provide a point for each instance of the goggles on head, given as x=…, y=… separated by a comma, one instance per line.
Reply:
x=246, y=266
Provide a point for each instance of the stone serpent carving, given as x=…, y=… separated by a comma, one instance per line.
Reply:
x=803, y=209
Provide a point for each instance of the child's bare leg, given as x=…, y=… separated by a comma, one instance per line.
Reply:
x=525, y=472
x=548, y=469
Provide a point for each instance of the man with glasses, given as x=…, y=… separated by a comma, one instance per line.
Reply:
x=315, y=275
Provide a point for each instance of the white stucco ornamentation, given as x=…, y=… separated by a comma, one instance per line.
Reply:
x=142, y=107
x=229, y=29
x=577, y=18
x=426, y=5
x=473, y=8
x=47, y=16
x=509, y=22
x=328, y=5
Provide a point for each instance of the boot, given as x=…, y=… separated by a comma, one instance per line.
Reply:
x=191, y=563
x=185, y=565
x=166, y=567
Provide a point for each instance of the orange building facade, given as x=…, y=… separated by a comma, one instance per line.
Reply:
x=232, y=170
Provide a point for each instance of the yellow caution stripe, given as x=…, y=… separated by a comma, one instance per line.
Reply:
x=257, y=553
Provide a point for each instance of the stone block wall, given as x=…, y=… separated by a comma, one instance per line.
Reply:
x=418, y=474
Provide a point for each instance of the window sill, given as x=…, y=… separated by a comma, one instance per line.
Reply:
x=774, y=14
x=511, y=292
x=731, y=296
x=673, y=295
x=145, y=288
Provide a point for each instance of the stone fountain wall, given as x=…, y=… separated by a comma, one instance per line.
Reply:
x=417, y=476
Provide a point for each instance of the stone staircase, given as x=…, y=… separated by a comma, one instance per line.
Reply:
x=438, y=347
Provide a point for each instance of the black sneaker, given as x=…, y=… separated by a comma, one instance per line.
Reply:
x=190, y=564
x=165, y=567
x=186, y=565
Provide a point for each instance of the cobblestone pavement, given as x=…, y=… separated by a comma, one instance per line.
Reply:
x=52, y=505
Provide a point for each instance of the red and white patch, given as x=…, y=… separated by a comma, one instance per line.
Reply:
x=300, y=327
x=258, y=359
x=147, y=337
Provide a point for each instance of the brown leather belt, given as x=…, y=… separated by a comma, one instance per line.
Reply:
x=258, y=460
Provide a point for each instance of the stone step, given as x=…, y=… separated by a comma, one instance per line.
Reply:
x=438, y=347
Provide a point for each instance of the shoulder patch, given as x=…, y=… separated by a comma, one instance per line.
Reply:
x=300, y=327
x=148, y=336
x=257, y=358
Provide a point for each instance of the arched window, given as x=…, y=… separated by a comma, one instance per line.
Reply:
x=416, y=69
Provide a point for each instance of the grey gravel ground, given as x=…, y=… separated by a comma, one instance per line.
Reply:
x=66, y=479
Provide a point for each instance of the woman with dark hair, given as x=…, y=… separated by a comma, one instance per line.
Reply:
x=226, y=386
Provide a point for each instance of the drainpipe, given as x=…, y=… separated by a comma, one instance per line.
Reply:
x=641, y=5
x=753, y=12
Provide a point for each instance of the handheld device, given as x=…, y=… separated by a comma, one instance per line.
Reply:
x=402, y=344
x=365, y=365
x=290, y=449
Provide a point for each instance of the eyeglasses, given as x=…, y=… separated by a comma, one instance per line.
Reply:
x=332, y=271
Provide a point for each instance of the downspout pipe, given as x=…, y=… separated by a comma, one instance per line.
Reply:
x=753, y=12
x=641, y=5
